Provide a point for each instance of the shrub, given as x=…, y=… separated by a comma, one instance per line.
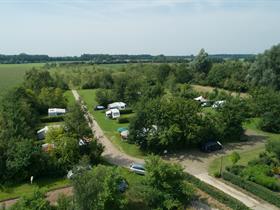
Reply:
x=48, y=119
x=217, y=174
x=217, y=194
x=123, y=120
x=126, y=111
x=253, y=188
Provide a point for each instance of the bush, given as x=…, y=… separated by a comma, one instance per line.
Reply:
x=123, y=120
x=48, y=119
x=126, y=111
x=217, y=194
x=253, y=188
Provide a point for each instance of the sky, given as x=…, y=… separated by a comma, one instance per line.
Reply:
x=170, y=27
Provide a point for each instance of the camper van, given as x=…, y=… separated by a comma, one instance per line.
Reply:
x=113, y=113
x=117, y=105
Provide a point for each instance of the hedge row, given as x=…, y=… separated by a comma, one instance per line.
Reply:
x=48, y=119
x=253, y=188
x=217, y=194
x=123, y=120
x=126, y=111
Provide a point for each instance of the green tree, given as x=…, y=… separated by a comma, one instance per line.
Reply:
x=51, y=98
x=202, y=63
x=165, y=185
x=273, y=146
x=165, y=124
x=266, y=69
x=38, y=79
x=76, y=123
x=104, y=97
x=36, y=202
x=98, y=189
x=234, y=157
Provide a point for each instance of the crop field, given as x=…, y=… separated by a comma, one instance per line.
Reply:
x=12, y=74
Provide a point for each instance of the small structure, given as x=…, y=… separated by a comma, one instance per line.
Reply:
x=117, y=105
x=56, y=112
x=125, y=134
x=200, y=99
x=121, y=129
x=41, y=134
x=218, y=104
x=47, y=147
x=113, y=113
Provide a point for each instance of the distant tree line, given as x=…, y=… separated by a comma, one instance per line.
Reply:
x=107, y=58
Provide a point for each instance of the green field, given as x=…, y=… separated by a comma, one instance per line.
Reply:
x=12, y=74
x=246, y=156
x=109, y=126
x=24, y=189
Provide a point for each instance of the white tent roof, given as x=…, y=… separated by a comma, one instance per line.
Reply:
x=117, y=104
x=56, y=110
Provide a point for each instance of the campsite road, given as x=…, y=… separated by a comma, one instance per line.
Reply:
x=115, y=156
x=193, y=163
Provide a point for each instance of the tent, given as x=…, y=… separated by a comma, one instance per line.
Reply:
x=124, y=134
x=121, y=129
x=200, y=99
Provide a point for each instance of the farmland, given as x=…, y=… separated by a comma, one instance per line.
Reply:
x=12, y=74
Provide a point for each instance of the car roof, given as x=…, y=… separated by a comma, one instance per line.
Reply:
x=137, y=165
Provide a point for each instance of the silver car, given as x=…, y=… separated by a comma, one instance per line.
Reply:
x=137, y=168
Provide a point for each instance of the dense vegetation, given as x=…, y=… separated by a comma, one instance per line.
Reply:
x=21, y=154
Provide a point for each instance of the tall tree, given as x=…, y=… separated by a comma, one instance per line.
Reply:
x=166, y=188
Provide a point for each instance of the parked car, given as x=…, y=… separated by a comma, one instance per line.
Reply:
x=211, y=146
x=77, y=170
x=137, y=168
x=218, y=104
x=99, y=107
x=122, y=186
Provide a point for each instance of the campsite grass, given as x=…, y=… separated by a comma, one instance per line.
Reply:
x=12, y=74
x=9, y=191
x=248, y=155
x=206, y=89
x=109, y=126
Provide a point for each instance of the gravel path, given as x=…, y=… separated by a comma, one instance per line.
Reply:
x=194, y=162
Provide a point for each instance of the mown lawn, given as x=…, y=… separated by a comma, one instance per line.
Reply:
x=25, y=188
x=246, y=156
x=109, y=126
x=12, y=75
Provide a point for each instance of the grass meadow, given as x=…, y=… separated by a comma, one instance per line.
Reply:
x=12, y=74
x=109, y=126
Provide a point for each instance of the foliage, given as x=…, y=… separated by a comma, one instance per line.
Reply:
x=51, y=98
x=48, y=119
x=104, y=97
x=215, y=193
x=36, y=202
x=38, y=79
x=255, y=189
x=123, y=120
x=98, y=189
x=261, y=174
x=273, y=146
x=165, y=185
x=76, y=123
x=126, y=111
x=231, y=116
x=161, y=124
x=235, y=157
x=266, y=69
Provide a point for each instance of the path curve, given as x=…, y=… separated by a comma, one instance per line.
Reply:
x=116, y=157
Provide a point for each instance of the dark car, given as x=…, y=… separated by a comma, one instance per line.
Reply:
x=211, y=146
x=122, y=186
x=99, y=107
